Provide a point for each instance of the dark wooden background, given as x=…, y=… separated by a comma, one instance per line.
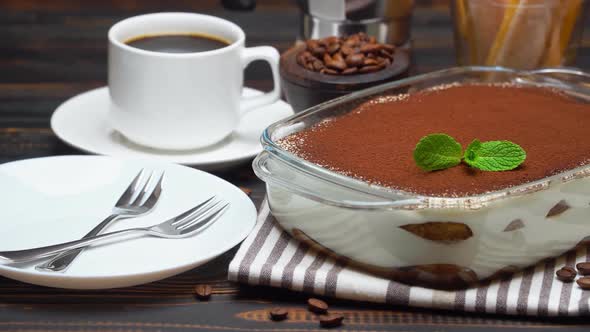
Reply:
x=51, y=50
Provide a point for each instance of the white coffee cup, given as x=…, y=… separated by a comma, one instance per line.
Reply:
x=181, y=100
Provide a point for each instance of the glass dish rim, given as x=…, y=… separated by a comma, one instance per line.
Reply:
x=398, y=199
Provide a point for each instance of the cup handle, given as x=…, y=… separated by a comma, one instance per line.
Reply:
x=270, y=55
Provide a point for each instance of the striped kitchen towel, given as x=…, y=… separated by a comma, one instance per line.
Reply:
x=271, y=257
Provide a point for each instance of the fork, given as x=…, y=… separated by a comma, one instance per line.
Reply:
x=184, y=225
x=138, y=199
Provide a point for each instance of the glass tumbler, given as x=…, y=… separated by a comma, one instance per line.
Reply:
x=522, y=34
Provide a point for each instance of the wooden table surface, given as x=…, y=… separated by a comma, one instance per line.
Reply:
x=53, y=50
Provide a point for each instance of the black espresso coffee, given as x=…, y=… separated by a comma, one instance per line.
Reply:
x=181, y=43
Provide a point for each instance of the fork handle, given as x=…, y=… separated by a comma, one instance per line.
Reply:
x=27, y=255
x=62, y=261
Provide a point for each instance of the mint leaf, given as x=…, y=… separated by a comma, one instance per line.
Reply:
x=437, y=151
x=494, y=155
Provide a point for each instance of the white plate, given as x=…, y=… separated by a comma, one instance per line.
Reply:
x=57, y=199
x=82, y=123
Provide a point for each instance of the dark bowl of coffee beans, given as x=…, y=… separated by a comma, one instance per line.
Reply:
x=318, y=70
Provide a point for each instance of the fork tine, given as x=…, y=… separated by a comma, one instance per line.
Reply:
x=142, y=192
x=204, y=221
x=191, y=211
x=126, y=196
x=195, y=216
x=155, y=194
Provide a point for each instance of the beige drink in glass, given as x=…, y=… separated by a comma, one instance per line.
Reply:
x=523, y=34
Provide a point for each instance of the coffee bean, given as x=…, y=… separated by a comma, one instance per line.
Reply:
x=349, y=71
x=311, y=44
x=369, y=69
x=370, y=48
x=318, y=65
x=354, y=60
x=318, y=51
x=301, y=59
x=203, y=291
x=584, y=283
x=370, y=62
x=329, y=71
x=331, y=320
x=306, y=54
x=566, y=274
x=345, y=50
x=318, y=306
x=333, y=48
x=354, y=54
x=332, y=65
x=350, y=43
x=583, y=268
x=381, y=61
x=338, y=62
x=278, y=314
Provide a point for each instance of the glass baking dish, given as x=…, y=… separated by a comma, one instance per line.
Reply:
x=437, y=242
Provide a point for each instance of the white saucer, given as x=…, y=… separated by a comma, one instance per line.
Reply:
x=82, y=123
x=57, y=199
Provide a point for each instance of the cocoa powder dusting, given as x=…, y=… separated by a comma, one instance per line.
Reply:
x=375, y=142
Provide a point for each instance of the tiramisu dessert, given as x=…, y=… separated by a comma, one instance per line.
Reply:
x=376, y=142
x=485, y=178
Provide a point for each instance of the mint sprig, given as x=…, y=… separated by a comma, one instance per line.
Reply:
x=441, y=151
